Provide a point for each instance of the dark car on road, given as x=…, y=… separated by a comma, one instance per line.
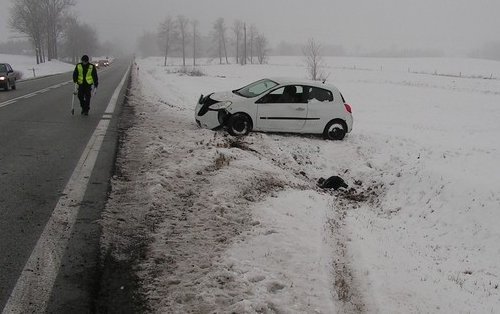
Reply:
x=7, y=77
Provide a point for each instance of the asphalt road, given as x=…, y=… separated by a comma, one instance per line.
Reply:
x=41, y=143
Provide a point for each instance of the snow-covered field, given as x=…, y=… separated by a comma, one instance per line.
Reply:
x=26, y=64
x=238, y=225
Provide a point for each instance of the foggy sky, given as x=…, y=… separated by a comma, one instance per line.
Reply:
x=454, y=26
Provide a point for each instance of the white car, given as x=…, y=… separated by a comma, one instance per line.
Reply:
x=278, y=105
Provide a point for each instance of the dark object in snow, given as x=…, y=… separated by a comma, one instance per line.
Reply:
x=333, y=182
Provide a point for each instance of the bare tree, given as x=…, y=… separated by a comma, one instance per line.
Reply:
x=167, y=35
x=53, y=11
x=220, y=33
x=261, y=48
x=71, y=38
x=252, y=34
x=79, y=39
x=314, y=60
x=243, y=60
x=182, y=23
x=237, y=29
x=26, y=17
x=42, y=21
x=194, y=24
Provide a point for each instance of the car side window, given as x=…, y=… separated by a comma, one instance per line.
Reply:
x=9, y=68
x=289, y=94
x=318, y=94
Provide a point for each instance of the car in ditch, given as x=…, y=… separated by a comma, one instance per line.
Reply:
x=278, y=105
x=7, y=77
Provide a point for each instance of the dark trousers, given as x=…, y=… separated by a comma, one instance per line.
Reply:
x=84, y=93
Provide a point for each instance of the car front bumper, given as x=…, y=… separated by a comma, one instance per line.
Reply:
x=212, y=119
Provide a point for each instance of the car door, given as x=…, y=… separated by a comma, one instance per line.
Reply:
x=282, y=109
x=320, y=107
x=10, y=74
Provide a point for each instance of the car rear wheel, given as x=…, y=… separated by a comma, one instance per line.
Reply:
x=335, y=130
x=239, y=124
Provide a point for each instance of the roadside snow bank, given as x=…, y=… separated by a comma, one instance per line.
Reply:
x=26, y=64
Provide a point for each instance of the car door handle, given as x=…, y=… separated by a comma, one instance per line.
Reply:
x=299, y=109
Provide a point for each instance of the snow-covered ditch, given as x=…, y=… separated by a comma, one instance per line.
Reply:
x=27, y=64
x=238, y=225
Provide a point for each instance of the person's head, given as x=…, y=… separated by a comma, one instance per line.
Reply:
x=85, y=59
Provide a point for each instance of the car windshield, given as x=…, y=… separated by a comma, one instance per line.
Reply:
x=256, y=88
x=3, y=68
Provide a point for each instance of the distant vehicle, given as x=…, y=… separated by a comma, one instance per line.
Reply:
x=278, y=105
x=7, y=77
x=101, y=63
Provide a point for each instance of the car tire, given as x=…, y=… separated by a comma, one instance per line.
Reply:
x=335, y=130
x=239, y=124
x=7, y=85
x=14, y=85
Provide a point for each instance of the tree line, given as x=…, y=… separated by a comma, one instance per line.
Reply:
x=50, y=27
x=180, y=36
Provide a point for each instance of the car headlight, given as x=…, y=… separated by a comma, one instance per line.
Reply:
x=2, y=78
x=221, y=105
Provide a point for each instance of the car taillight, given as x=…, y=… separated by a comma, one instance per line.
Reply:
x=348, y=108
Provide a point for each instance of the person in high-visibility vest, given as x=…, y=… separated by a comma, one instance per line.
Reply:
x=85, y=75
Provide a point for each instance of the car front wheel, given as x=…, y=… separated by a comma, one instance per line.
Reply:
x=14, y=85
x=335, y=130
x=7, y=85
x=239, y=124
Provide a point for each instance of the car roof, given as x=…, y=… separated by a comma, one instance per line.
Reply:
x=294, y=81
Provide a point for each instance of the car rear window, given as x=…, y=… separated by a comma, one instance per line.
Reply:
x=318, y=94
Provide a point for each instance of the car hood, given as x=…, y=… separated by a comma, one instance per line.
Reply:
x=225, y=96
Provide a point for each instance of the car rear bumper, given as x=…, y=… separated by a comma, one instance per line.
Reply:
x=349, y=121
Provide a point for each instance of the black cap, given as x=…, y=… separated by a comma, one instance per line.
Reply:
x=85, y=58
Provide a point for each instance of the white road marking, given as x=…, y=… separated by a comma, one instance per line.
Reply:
x=112, y=103
x=34, y=286
x=7, y=103
x=11, y=101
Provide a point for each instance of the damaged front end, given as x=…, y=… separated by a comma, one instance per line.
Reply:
x=211, y=113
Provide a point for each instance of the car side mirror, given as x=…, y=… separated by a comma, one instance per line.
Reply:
x=10, y=71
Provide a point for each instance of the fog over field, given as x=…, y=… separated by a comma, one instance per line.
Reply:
x=454, y=27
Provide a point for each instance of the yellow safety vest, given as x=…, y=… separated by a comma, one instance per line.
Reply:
x=88, y=77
